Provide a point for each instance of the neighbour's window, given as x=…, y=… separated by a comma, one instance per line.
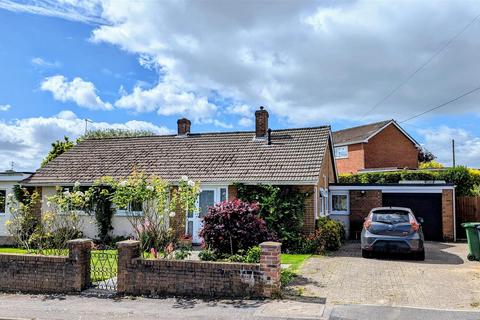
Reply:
x=341, y=152
x=339, y=202
x=3, y=195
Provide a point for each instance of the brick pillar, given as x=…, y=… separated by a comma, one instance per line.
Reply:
x=447, y=215
x=271, y=267
x=127, y=251
x=79, y=254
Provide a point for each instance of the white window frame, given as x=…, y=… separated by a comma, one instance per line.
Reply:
x=217, y=198
x=323, y=197
x=340, y=193
x=345, y=148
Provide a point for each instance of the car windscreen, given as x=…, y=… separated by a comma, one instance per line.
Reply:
x=391, y=216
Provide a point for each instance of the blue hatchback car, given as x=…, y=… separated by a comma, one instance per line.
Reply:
x=392, y=229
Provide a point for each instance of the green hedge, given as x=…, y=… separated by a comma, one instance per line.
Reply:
x=466, y=180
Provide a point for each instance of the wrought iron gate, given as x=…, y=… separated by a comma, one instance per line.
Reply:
x=103, y=269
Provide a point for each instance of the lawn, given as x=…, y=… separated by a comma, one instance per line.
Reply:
x=294, y=261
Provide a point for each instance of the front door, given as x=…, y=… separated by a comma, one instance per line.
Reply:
x=207, y=198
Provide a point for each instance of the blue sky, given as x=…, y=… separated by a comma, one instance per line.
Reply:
x=143, y=65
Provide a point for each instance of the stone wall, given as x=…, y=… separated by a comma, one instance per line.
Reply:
x=448, y=224
x=139, y=276
x=47, y=274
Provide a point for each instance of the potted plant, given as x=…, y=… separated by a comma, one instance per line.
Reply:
x=185, y=240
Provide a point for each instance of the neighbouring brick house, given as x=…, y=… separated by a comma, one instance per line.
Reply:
x=382, y=145
x=300, y=157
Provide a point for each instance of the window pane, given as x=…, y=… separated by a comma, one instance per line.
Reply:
x=2, y=200
x=207, y=199
x=341, y=152
x=136, y=206
x=190, y=228
x=339, y=202
x=223, y=194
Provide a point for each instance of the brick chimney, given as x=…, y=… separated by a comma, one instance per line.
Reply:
x=183, y=126
x=261, y=123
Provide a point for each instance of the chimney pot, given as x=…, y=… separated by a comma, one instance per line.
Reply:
x=183, y=126
x=261, y=123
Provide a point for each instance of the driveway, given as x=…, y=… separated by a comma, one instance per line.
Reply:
x=444, y=280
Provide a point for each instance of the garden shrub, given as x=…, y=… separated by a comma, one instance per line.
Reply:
x=253, y=255
x=282, y=208
x=467, y=181
x=231, y=226
x=327, y=237
x=207, y=255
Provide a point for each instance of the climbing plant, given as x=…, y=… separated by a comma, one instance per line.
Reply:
x=282, y=208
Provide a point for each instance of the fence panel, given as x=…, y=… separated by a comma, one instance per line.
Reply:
x=467, y=210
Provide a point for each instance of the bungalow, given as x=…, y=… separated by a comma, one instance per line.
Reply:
x=377, y=146
x=300, y=157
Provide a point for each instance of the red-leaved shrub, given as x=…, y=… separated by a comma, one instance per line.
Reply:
x=230, y=226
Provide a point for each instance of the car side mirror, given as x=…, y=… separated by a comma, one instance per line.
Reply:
x=420, y=219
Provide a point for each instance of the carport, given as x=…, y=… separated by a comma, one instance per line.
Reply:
x=435, y=203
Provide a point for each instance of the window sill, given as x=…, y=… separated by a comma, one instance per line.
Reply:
x=340, y=213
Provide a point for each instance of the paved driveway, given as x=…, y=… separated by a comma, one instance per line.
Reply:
x=444, y=280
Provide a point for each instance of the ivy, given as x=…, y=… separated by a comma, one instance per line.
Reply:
x=282, y=208
x=100, y=203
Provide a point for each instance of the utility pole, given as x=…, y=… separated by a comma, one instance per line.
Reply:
x=453, y=152
x=86, y=124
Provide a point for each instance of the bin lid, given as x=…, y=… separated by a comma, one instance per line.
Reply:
x=470, y=224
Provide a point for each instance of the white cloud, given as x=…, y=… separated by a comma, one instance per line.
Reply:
x=27, y=141
x=245, y=122
x=83, y=93
x=306, y=61
x=75, y=10
x=167, y=98
x=37, y=61
x=5, y=107
x=439, y=142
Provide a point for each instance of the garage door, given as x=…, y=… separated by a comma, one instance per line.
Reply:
x=425, y=205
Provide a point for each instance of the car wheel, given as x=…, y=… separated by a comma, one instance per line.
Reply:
x=420, y=256
x=367, y=254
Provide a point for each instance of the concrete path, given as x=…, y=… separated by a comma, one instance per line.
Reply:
x=361, y=312
x=445, y=280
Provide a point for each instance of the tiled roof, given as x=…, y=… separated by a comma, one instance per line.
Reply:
x=295, y=155
x=358, y=134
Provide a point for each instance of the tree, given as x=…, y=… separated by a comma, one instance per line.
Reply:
x=425, y=156
x=58, y=147
x=115, y=133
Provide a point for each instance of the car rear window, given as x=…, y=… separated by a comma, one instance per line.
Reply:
x=391, y=216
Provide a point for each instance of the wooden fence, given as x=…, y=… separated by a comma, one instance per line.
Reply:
x=467, y=210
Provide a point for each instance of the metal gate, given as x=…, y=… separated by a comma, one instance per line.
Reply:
x=103, y=269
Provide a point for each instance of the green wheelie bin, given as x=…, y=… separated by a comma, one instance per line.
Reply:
x=473, y=238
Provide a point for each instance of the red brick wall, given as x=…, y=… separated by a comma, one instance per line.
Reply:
x=447, y=215
x=355, y=160
x=309, y=215
x=360, y=206
x=390, y=148
x=46, y=274
x=138, y=276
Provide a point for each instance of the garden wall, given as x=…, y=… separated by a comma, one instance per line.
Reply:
x=138, y=276
x=47, y=274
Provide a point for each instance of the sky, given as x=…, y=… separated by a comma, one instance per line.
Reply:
x=145, y=64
